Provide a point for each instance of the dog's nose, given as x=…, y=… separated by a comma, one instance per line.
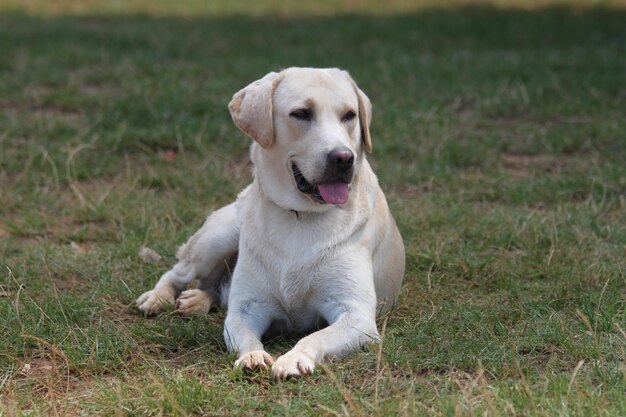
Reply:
x=341, y=158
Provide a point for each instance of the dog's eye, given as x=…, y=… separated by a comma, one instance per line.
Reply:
x=348, y=116
x=302, y=114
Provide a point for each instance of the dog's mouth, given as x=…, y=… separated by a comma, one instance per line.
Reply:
x=331, y=192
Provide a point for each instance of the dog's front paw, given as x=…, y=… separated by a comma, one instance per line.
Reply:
x=254, y=360
x=155, y=301
x=193, y=302
x=292, y=364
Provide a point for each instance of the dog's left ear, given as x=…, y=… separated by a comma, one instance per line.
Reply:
x=365, y=115
x=252, y=111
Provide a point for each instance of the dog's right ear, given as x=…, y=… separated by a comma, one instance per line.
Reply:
x=252, y=110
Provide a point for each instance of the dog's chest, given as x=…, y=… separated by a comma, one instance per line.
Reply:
x=294, y=273
x=296, y=255
x=295, y=265
x=297, y=289
x=290, y=246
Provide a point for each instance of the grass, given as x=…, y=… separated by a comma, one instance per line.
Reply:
x=499, y=137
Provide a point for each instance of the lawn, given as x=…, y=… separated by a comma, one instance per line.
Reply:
x=499, y=135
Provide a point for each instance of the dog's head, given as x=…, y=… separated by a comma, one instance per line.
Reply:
x=310, y=127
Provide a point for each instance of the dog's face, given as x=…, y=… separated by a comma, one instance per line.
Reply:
x=311, y=127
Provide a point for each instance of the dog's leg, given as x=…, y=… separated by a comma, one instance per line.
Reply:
x=208, y=292
x=246, y=322
x=251, y=311
x=205, y=255
x=350, y=309
x=352, y=330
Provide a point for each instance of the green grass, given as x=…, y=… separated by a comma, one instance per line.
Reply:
x=499, y=137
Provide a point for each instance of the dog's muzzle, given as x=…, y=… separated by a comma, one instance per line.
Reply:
x=334, y=188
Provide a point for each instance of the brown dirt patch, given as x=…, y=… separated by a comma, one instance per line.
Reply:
x=67, y=282
x=526, y=165
x=80, y=235
x=53, y=109
x=45, y=378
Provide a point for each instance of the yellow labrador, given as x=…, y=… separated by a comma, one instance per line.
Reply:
x=311, y=242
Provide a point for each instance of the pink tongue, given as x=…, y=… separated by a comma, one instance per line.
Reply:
x=334, y=192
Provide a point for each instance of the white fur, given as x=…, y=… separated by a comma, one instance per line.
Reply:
x=298, y=263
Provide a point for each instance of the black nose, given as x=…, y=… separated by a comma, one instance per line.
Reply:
x=341, y=158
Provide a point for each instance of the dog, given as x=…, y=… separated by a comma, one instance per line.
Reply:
x=311, y=242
